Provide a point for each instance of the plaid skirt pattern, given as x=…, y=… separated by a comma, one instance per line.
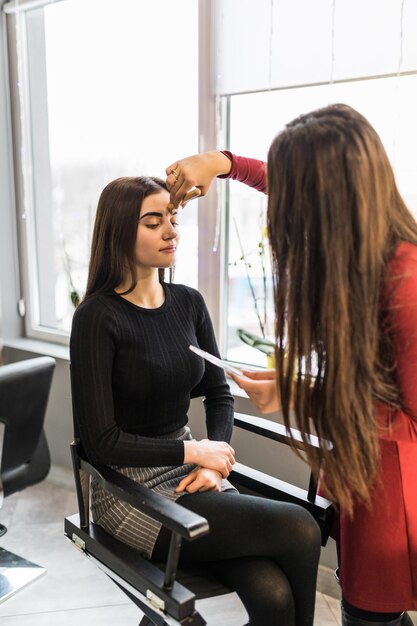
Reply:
x=125, y=522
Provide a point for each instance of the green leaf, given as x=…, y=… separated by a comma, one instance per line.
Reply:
x=255, y=341
x=75, y=298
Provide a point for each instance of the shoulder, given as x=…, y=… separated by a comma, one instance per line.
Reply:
x=185, y=293
x=96, y=309
x=405, y=255
x=188, y=299
x=402, y=275
x=403, y=263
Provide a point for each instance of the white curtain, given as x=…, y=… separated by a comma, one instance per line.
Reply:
x=270, y=44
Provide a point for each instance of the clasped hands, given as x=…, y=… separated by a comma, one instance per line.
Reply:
x=215, y=459
x=199, y=480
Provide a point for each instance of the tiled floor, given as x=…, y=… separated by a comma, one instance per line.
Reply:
x=74, y=591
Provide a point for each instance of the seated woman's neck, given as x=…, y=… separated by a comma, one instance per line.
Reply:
x=148, y=292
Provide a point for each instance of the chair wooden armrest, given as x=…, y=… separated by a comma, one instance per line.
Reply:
x=278, y=432
x=175, y=517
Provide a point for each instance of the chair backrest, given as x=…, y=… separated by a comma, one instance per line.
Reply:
x=24, y=392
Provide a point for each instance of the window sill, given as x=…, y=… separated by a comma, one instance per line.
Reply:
x=36, y=346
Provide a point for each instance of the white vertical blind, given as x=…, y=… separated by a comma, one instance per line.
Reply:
x=271, y=44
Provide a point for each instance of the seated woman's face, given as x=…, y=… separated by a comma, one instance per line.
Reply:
x=157, y=236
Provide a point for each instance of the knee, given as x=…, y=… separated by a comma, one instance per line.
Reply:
x=306, y=531
x=282, y=597
x=310, y=528
x=272, y=601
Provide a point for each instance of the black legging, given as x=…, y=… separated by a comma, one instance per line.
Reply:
x=266, y=551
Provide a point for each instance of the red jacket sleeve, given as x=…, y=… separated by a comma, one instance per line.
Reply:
x=249, y=171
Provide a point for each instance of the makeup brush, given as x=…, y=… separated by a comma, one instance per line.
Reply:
x=194, y=193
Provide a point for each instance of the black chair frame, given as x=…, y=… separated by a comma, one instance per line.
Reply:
x=24, y=452
x=167, y=593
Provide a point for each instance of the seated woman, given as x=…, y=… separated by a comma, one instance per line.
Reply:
x=132, y=379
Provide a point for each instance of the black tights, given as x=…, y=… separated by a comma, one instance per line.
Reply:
x=266, y=551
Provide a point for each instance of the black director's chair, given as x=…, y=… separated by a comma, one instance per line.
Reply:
x=24, y=452
x=165, y=592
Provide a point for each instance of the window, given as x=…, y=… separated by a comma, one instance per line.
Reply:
x=98, y=96
x=388, y=103
x=301, y=59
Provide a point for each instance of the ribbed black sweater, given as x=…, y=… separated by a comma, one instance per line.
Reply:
x=133, y=375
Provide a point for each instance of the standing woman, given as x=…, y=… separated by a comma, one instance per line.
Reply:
x=344, y=254
x=132, y=379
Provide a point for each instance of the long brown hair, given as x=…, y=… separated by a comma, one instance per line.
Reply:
x=114, y=234
x=334, y=218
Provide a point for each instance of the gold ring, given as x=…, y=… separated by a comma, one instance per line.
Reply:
x=174, y=173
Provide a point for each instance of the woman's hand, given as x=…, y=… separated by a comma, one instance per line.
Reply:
x=201, y=479
x=195, y=171
x=215, y=455
x=261, y=388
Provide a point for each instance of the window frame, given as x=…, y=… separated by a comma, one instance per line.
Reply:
x=24, y=170
x=228, y=99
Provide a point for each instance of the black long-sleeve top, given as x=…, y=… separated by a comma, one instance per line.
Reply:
x=133, y=376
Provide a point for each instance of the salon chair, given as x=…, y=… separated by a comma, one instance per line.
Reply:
x=24, y=453
x=164, y=592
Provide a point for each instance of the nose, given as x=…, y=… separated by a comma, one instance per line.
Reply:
x=169, y=231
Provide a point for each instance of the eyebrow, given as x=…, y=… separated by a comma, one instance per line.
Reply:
x=155, y=214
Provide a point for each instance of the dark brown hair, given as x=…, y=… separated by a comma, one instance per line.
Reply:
x=334, y=218
x=115, y=229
